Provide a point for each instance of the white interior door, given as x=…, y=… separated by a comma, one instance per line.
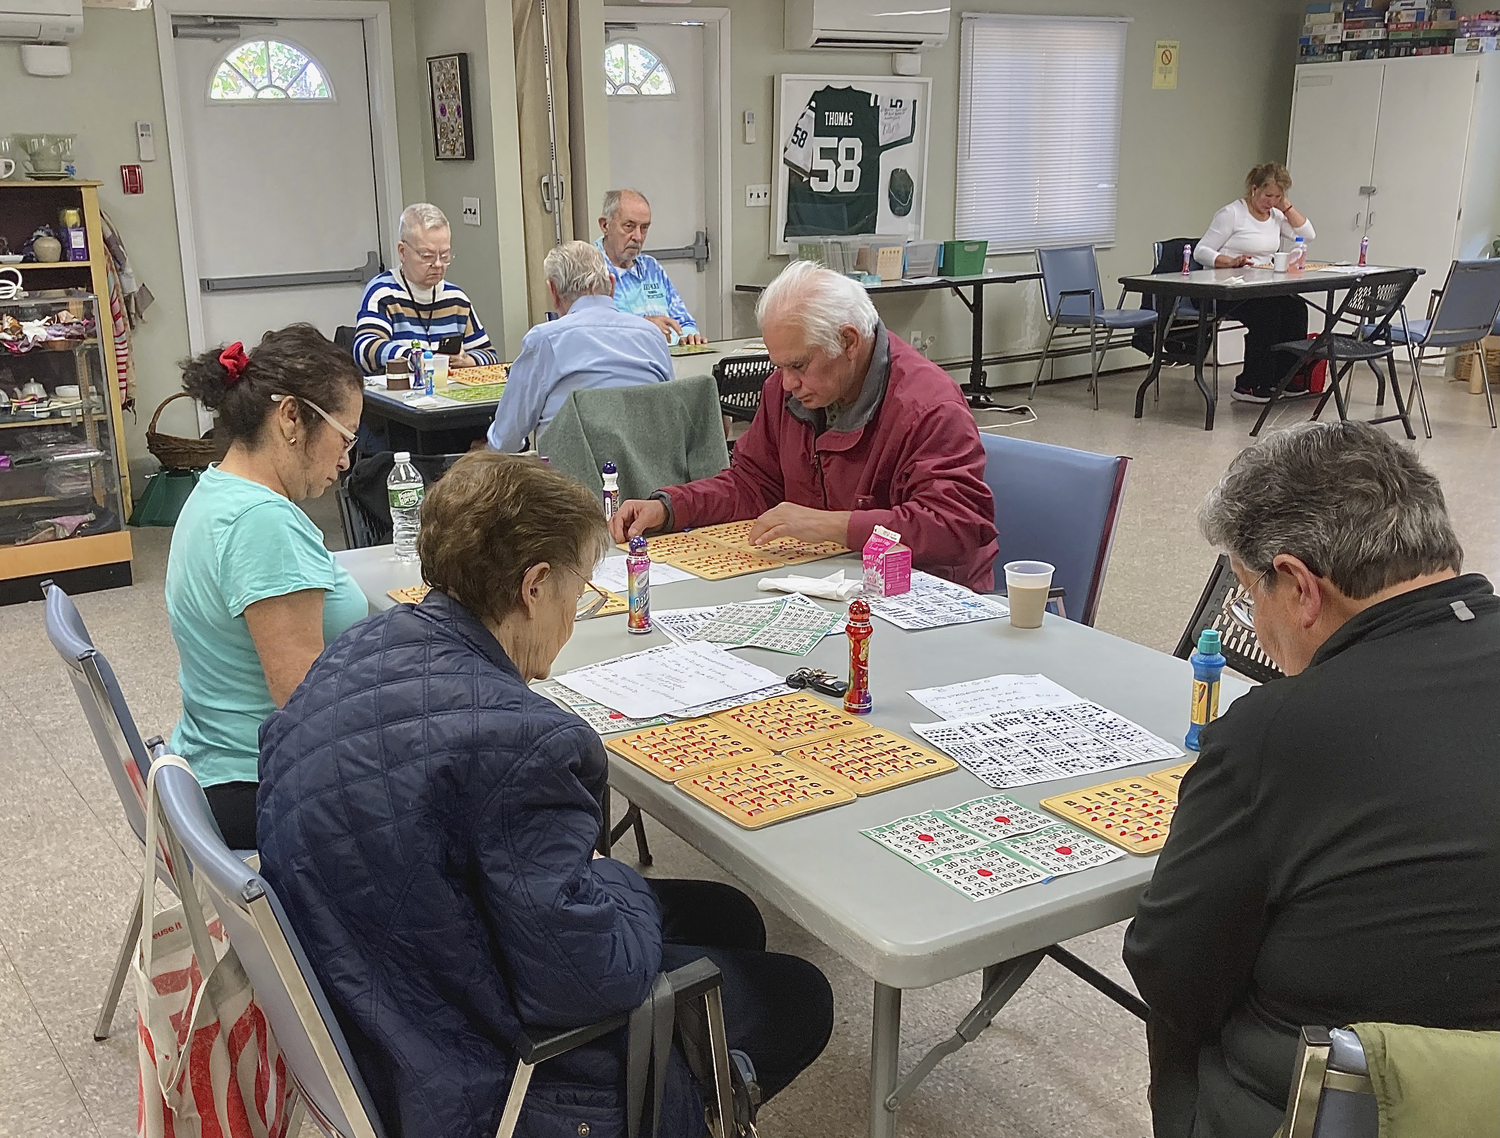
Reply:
x=1331, y=154
x=283, y=183
x=1419, y=164
x=660, y=144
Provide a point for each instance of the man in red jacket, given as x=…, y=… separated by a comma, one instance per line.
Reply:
x=855, y=429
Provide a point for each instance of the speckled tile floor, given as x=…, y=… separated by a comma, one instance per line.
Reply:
x=1059, y=1060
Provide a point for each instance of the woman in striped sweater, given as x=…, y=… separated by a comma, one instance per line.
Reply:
x=415, y=302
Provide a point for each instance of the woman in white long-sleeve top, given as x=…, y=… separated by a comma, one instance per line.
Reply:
x=1250, y=231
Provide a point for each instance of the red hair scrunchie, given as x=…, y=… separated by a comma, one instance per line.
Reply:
x=235, y=361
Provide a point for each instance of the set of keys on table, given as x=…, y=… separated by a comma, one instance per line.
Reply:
x=818, y=680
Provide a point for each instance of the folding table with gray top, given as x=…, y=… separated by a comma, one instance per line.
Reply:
x=901, y=927
x=1213, y=287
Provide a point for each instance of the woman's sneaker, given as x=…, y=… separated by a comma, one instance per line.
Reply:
x=1250, y=395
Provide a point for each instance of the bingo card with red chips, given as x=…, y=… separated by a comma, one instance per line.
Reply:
x=790, y=720
x=673, y=751
x=1132, y=813
x=757, y=792
x=872, y=760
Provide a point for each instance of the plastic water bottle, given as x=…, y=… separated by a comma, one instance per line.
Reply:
x=1187, y=258
x=611, y=476
x=1364, y=250
x=638, y=586
x=1298, y=259
x=1208, y=668
x=405, y=490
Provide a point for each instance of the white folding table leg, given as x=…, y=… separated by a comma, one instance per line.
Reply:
x=885, y=1053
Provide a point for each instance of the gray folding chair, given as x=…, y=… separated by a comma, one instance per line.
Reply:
x=318, y=1057
x=1072, y=297
x=1331, y=1095
x=1459, y=315
x=120, y=746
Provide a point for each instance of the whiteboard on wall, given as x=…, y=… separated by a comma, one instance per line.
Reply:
x=851, y=157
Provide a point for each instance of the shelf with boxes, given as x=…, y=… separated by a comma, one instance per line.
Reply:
x=1344, y=30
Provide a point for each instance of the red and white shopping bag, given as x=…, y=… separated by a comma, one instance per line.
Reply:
x=209, y=1067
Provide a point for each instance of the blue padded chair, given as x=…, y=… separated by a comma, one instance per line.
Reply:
x=1073, y=298
x=120, y=746
x=1331, y=1095
x=1459, y=315
x=287, y=989
x=1057, y=505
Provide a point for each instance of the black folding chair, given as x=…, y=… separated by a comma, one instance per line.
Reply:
x=740, y=378
x=1370, y=306
x=1238, y=643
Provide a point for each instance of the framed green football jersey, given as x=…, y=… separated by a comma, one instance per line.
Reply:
x=853, y=157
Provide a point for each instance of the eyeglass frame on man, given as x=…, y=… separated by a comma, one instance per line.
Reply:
x=434, y=259
x=350, y=437
x=1239, y=605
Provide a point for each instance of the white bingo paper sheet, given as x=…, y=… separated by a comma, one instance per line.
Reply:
x=991, y=695
x=666, y=679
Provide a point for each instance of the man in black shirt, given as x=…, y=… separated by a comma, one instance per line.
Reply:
x=1335, y=855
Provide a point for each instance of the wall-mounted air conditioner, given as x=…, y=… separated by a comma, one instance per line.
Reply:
x=41, y=21
x=865, y=25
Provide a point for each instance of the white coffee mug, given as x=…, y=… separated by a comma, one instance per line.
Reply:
x=10, y=282
x=1279, y=261
x=7, y=168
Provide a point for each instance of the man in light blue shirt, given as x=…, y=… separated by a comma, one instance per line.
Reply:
x=591, y=344
x=641, y=284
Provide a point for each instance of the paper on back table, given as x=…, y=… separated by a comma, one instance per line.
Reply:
x=991, y=694
x=668, y=678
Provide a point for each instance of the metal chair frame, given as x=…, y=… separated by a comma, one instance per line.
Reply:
x=1217, y=323
x=248, y=907
x=1095, y=297
x=1450, y=338
x=1372, y=303
x=1326, y=1061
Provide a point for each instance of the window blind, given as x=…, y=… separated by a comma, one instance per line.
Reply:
x=1039, y=130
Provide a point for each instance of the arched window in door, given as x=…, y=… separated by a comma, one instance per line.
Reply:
x=268, y=69
x=634, y=69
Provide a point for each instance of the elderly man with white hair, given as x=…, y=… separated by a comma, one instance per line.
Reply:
x=591, y=344
x=415, y=301
x=855, y=429
x=641, y=284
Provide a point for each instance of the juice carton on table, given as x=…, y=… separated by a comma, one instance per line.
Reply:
x=887, y=564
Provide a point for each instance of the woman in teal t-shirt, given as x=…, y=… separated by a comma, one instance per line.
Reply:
x=253, y=595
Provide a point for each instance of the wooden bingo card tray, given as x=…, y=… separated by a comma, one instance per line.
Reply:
x=787, y=550
x=794, y=720
x=872, y=760
x=479, y=375
x=721, y=562
x=1132, y=813
x=675, y=750
x=762, y=791
x=1170, y=778
x=411, y=595
x=668, y=546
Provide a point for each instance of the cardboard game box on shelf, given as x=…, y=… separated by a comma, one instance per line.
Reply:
x=887, y=564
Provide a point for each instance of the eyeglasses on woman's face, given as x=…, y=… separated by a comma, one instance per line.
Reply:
x=349, y=437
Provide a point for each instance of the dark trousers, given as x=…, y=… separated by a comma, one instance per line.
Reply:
x=1268, y=320
x=233, y=806
x=778, y=1009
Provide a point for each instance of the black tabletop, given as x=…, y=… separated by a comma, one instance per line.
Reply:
x=922, y=284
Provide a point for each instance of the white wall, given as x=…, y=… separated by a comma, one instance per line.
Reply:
x=1183, y=154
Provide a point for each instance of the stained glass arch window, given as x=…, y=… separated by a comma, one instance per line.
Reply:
x=634, y=69
x=268, y=69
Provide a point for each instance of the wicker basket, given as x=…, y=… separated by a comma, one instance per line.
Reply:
x=1463, y=367
x=178, y=453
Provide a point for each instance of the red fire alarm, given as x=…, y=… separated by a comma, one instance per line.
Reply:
x=132, y=179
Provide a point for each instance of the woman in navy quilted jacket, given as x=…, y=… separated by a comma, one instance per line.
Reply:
x=429, y=823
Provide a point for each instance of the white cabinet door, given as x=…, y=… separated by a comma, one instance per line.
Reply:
x=1419, y=163
x=1332, y=150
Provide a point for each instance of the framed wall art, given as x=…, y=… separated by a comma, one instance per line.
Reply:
x=853, y=157
x=452, y=132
